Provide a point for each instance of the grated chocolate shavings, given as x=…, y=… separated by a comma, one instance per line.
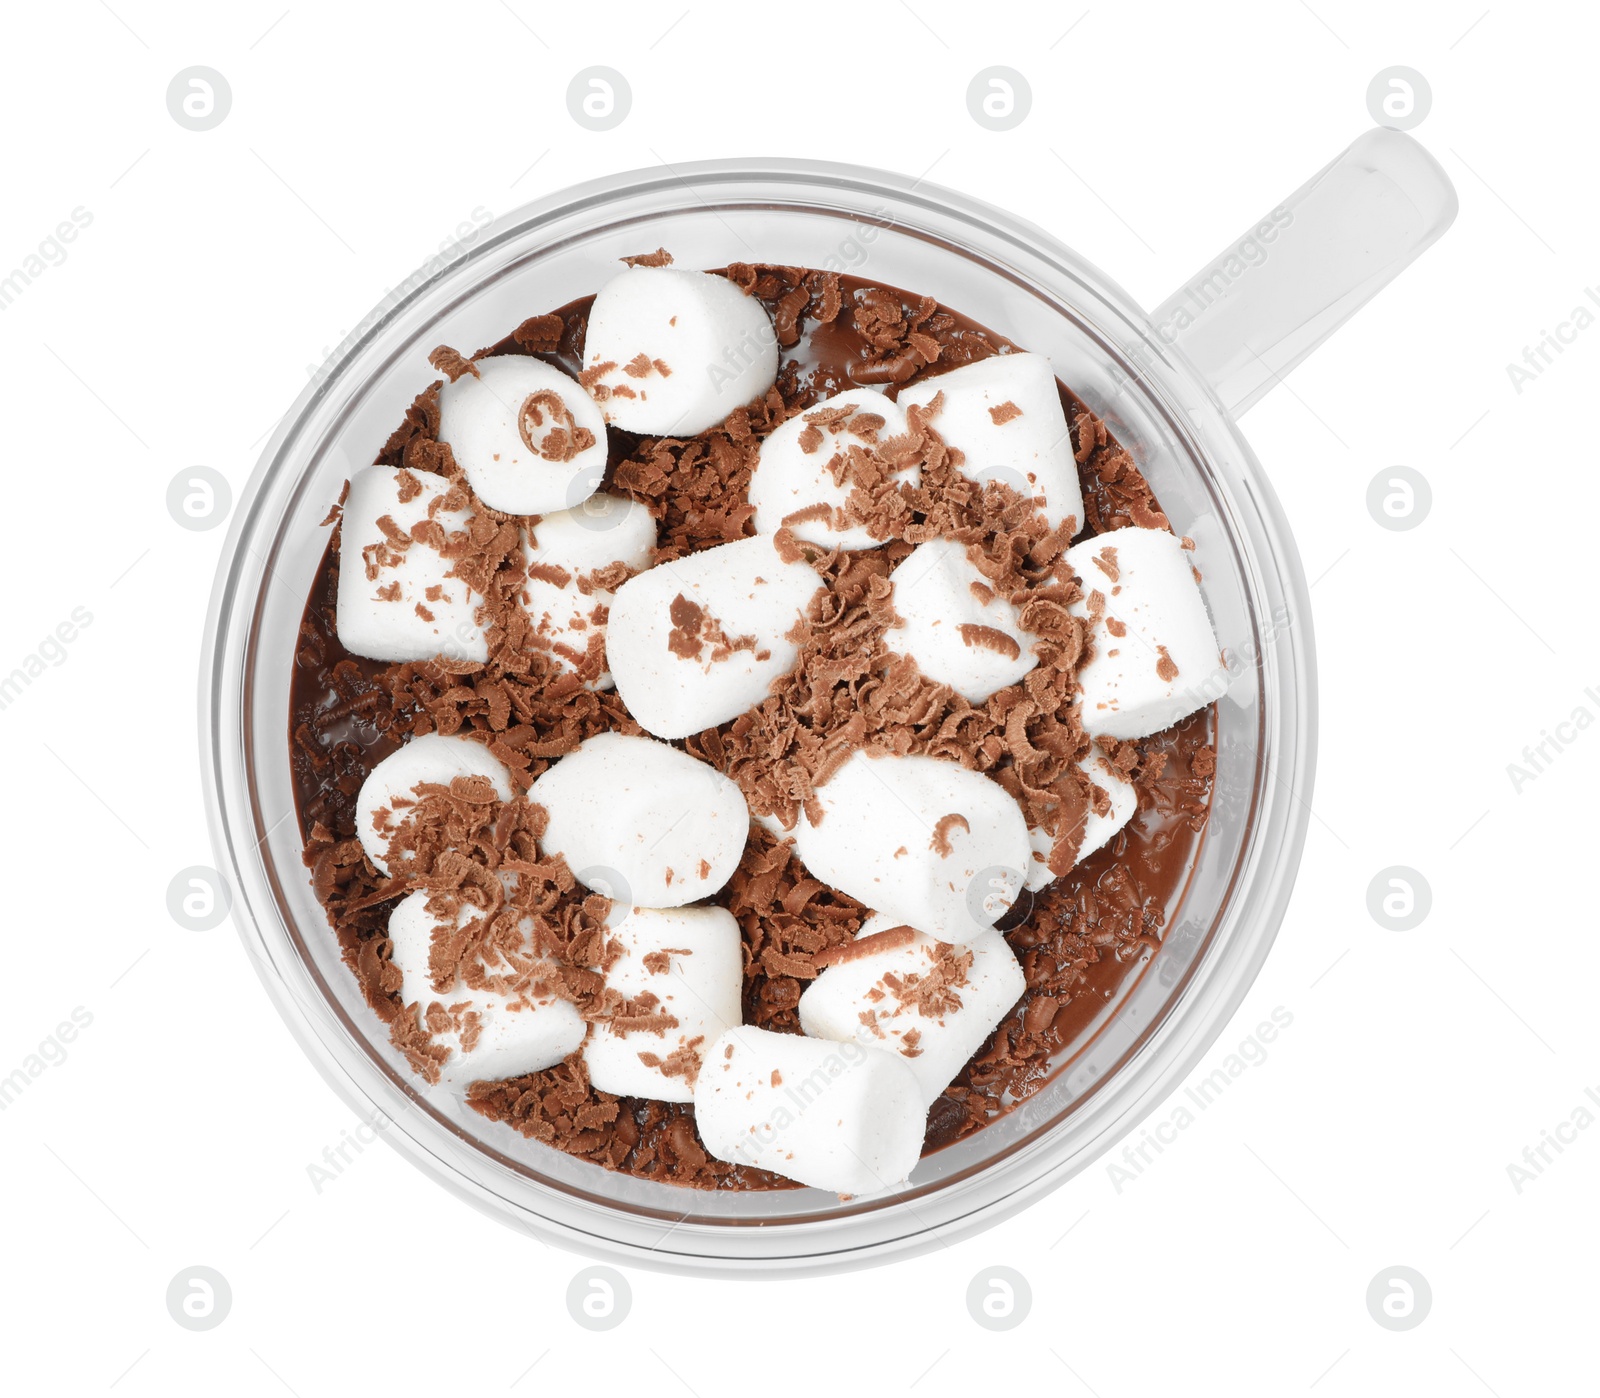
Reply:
x=694, y=629
x=940, y=843
x=564, y=439
x=989, y=638
x=540, y=334
x=889, y=939
x=452, y=364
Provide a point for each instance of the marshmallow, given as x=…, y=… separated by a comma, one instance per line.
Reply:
x=830, y=1115
x=560, y=550
x=511, y=1032
x=390, y=787
x=921, y=839
x=397, y=600
x=1097, y=829
x=793, y=473
x=933, y=1004
x=1004, y=415
x=528, y=437
x=954, y=625
x=671, y=353
x=692, y=961
x=1153, y=656
x=641, y=822
x=697, y=641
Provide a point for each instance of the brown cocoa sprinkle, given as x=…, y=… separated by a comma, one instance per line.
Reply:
x=989, y=638
x=826, y=298
x=1115, y=492
x=659, y=258
x=940, y=843
x=1106, y=562
x=904, y=339
x=694, y=629
x=890, y=939
x=659, y=962
x=687, y=619
x=564, y=439
x=1039, y=1014
x=1115, y=627
x=607, y=579
x=1003, y=413
x=935, y=992
x=452, y=364
x=820, y=512
x=540, y=334
x=786, y=319
x=641, y=1014
x=792, y=550
x=590, y=378
x=683, y=1062
x=552, y=573
x=1166, y=667
x=336, y=510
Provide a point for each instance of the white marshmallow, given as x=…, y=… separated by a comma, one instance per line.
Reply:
x=677, y=679
x=871, y=1000
x=397, y=601
x=788, y=478
x=955, y=636
x=717, y=346
x=882, y=820
x=830, y=1115
x=1031, y=451
x=390, y=787
x=515, y=1033
x=700, y=984
x=641, y=822
x=1160, y=669
x=1097, y=829
x=499, y=424
x=604, y=530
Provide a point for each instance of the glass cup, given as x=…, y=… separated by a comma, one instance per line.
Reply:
x=1169, y=386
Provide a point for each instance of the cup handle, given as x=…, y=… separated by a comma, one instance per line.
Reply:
x=1264, y=303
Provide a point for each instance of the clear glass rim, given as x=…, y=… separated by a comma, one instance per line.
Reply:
x=1198, y=1007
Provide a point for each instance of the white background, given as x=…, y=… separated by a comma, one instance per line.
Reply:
x=1377, y=1131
